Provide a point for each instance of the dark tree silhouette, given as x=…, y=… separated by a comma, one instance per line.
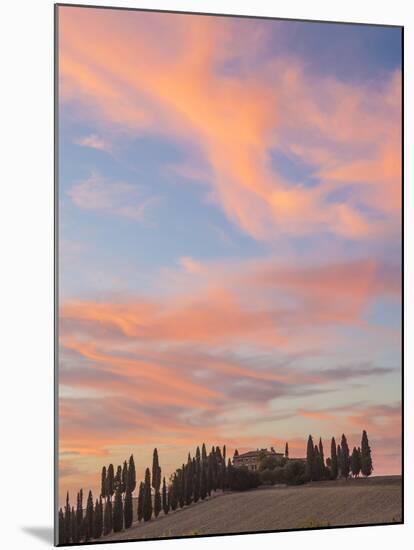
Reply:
x=310, y=452
x=108, y=517
x=61, y=528
x=366, y=459
x=118, y=479
x=355, y=464
x=118, y=512
x=124, y=482
x=98, y=519
x=156, y=471
x=89, y=517
x=286, y=450
x=188, y=481
x=345, y=460
x=140, y=508
x=79, y=514
x=321, y=453
x=132, y=477
x=110, y=481
x=181, y=486
x=128, y=508
x=103, y=482
x=174, y=492
x=203, y=452
x=196, y=479
x=147, y=508
x=74, y=530
x=165, y=499
x=68, y=519
x=334, y=460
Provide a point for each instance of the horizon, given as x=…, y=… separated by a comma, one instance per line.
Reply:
x=229, y=237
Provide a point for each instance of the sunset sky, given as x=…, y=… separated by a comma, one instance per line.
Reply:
x=229, y=237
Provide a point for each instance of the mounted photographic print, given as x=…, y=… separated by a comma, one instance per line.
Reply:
x=228, y=274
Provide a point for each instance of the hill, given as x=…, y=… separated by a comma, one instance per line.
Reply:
x=374, y=500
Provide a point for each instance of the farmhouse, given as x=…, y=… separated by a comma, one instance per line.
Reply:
x=250, y=459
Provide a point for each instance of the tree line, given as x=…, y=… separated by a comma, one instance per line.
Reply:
x=197, y=478
x=341, y=464
x=113, y=511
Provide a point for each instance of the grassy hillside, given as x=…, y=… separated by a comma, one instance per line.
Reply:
x=361, y=501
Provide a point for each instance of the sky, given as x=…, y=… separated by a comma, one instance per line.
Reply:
x=229, y=237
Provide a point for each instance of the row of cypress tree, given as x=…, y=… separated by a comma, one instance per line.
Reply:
x=113, y=511
x=201, y=475
x=107, y=514
x=341, y=463
x=195, y=480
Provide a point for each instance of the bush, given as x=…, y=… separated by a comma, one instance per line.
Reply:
x=243, y=479
x=266, y=477
x=295, y=472
x=270, y=462
x=279, y=475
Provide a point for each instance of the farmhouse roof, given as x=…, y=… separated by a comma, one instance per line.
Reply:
x=256, y=453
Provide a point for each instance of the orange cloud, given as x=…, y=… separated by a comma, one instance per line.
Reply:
x=235, y=121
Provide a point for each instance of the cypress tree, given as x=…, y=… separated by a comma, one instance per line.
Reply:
x=345, y=461
x=108, y=516
x=188, y=481
x=103, y=482
x=140, y=508
x=181, y=486
x=61, y=528
x=74, y=530
x=203, y=480
x=68, y=519
x=98, y=518
x=196, y=479
x=317, y=472
x=157, y=503
x=95, y=520
x=124, y=482
x=89, y=517
x=79, y=514
x=156, y=471
x=213, y=462
x=132, y=477
x=310, y=451
x=219, y=468
x=118, y=513
x=338, y=452
x=286, y=450
x=355, y=462
x=128, y=507
x=156, y=483
x=366, y=459
x=203, y=453
x=210, y=474
x=110, y=481
x=224, y=469
x=236, y=453
x=165, y=499
x=147, y=508
x=334, y=460
x=118, y=479
x=174, y=493
x=229, y=474
x=321, y=452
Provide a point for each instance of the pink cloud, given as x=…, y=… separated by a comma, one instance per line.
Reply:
x=236, y=120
